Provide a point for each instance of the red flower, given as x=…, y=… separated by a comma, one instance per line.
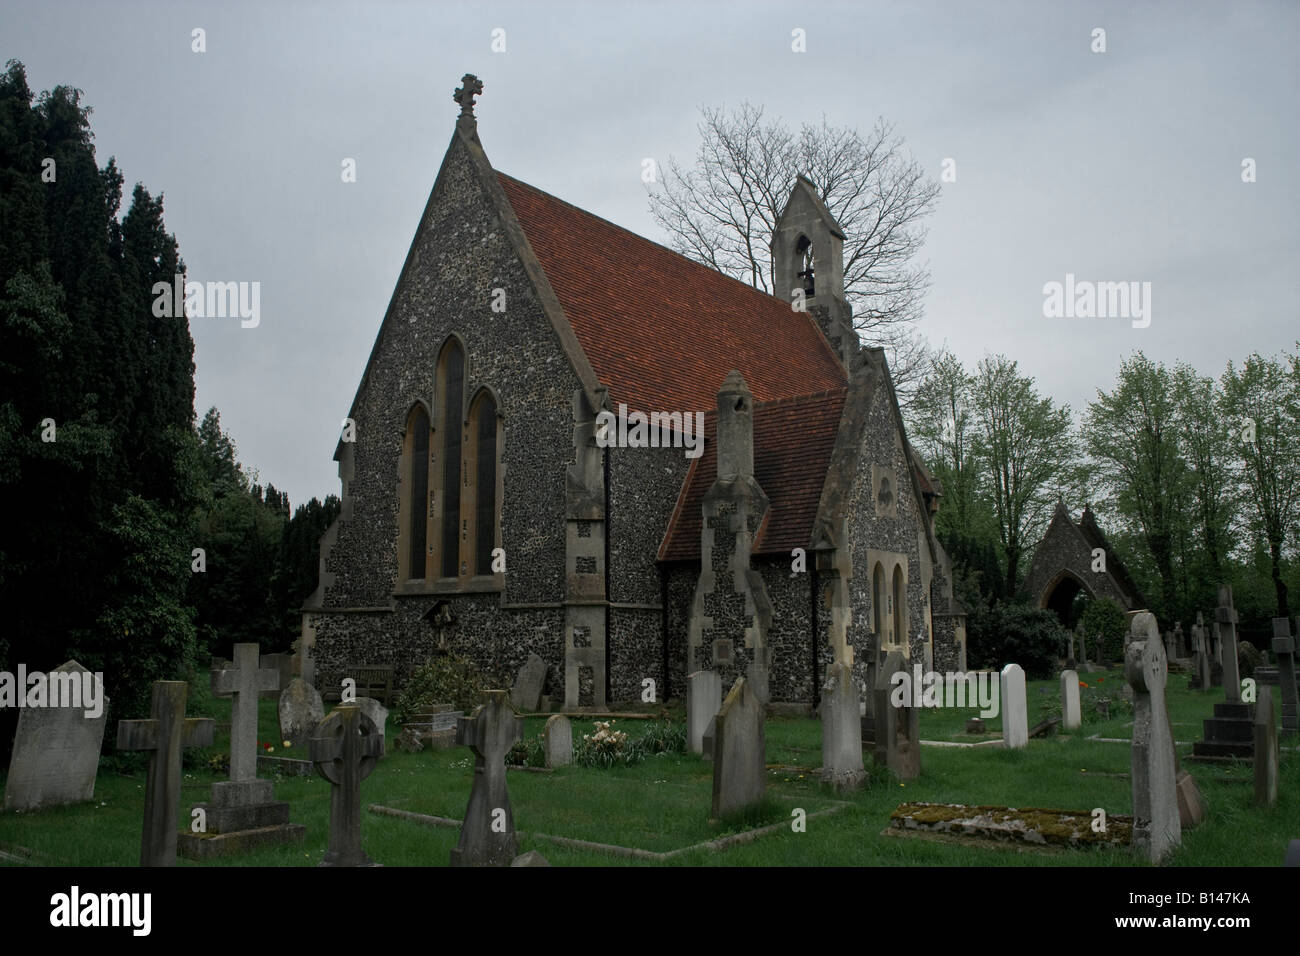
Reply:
x=1082, y=684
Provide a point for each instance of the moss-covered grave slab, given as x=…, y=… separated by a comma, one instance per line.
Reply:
x=1029, y=827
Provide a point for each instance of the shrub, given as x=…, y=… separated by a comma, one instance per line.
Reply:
x=606, y=748
x=440, y=680
x=528, y=752
x=1103, y=616
x=1014, y=634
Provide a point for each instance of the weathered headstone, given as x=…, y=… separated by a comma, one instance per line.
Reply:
x=301, y=709
x=1225, y=616
x=345, y=748
x=1070, y=659
x=841, y=730
x=1191, y=805
x=1101, y=650
x=527, y=692
x=1180, y=639
x=1156, y=827
x=1284, y=650
x=56, y=749
x=165, y=734
x=703, y=699
x=1015, y=717
x=376, y=711
x=898, y=729
x=739, y=751
x=243, y=812
x=1071, y=715
x=1203, y=680
x=1171, y=649
x=1266, y=750
x=487, y=837
x=557, y=736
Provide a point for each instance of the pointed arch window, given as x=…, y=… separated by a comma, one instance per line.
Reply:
x=413, y=506
x=450, y=404
x=878, y=603
x=482, y=478
x=900, y=608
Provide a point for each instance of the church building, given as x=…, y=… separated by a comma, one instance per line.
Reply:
x=571, y=441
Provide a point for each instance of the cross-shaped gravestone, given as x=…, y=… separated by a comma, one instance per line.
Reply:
x=1156, y=826
x=244, y=682
x=345, y=748
x=1284, y=649
x=164, y=735
x=487, y=837
x=470, y=87
x=1226, y=617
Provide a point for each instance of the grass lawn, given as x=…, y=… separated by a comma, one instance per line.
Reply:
x=663, y=804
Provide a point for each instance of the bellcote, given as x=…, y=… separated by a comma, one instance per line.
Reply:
x=807, y=248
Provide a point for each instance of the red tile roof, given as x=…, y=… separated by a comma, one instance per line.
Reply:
x=793, y=440
x=660, y=330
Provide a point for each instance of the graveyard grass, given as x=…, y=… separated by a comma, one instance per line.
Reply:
x=663, y=803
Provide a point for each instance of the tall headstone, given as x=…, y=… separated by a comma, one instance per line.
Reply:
x=557, y=737
x=487, y=837
x=703, y=700
x=1180, y=639
x=1171, y=649
x=1284, y=651
x=1015, y=716
x=841, y=730
x=1101, y=650
x=1071, y=714
x=243, y=804
x=345, y=748
x=898, y=722
x=1266, y=750
x=739, y=751
x=1225, y=616
x=165, y=734
x=56, y=749
x=301, y=709
x=1157, y=830
x=527, y=692
x=376, y=711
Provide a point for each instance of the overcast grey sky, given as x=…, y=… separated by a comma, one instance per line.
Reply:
x=1123, y=165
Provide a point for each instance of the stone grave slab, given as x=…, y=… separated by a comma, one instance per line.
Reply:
x=487, y=837
x=740, y=751
x=1071, y=714
x=703, y=700
x=557, y=739
x=841, y=730
x=1015, y=717
x=345, y=748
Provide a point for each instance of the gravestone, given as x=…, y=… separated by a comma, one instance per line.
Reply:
x=1284, y=650
x=1015, y=717
x=898, y=729
x=376, y=711
x=301, y=709
x=841, y=730
x=1157, y=830
x=557, y=736
x=1101, y=650
x=487, y=837
x=1071, y=715
x=527, y=692
x=1266, y=750
x=243, y=813
x=1226, y=617
x=1171, y=650
x=1203, y=681
x=1180, y=640
x=345, y=748
x=703, y=700
x=1230, y=732
x=739, y=751
x=164, y=734
x=56, y=749
x=1070, y=659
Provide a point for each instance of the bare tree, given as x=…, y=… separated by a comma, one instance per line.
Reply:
x=722, y=212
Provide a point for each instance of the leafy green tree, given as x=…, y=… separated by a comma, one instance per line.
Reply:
x=1026, y=449
x=1132, y=435
x=1105, y=619
x=1263, y=405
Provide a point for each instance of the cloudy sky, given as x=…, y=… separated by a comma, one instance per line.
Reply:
x=1117, y=166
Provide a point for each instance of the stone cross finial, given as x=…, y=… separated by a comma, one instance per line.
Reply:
x=164, y=735
x=471, y=86
x=345, y=747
